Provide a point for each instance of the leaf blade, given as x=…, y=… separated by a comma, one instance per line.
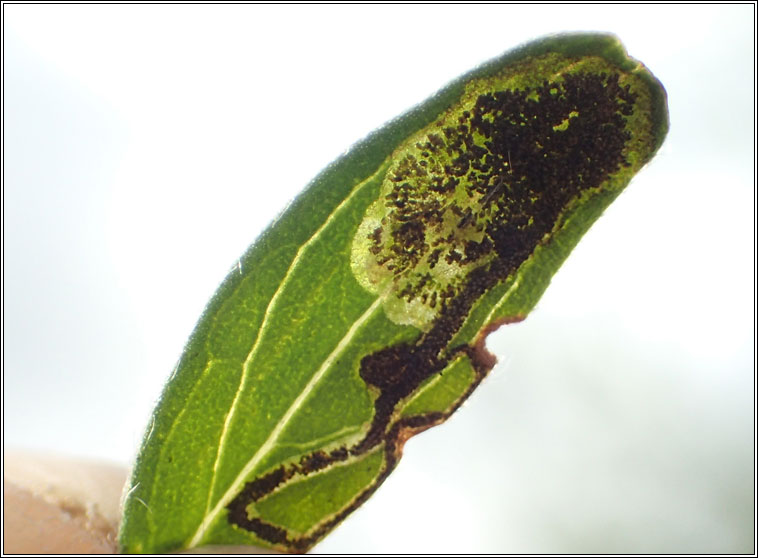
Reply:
x=317, y=332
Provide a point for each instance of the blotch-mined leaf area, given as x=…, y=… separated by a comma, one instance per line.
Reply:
x=485, y=184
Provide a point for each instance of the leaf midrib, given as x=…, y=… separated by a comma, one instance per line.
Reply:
x=211, y=514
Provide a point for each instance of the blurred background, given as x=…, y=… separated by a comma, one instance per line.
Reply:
x=143, y=153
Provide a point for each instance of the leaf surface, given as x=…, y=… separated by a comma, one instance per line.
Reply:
x=359, y=317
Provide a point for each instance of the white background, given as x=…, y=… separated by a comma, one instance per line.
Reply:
x=147, y=145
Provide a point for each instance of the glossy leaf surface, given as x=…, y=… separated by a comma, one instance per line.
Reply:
x=359, y=317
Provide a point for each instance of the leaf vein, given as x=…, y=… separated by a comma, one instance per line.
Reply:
x=210, y=515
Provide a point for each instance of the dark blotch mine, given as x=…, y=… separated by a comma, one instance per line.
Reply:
x=523, y=155
x=543, y=148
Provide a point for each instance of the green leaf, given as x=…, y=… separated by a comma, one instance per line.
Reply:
x=359, y=317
